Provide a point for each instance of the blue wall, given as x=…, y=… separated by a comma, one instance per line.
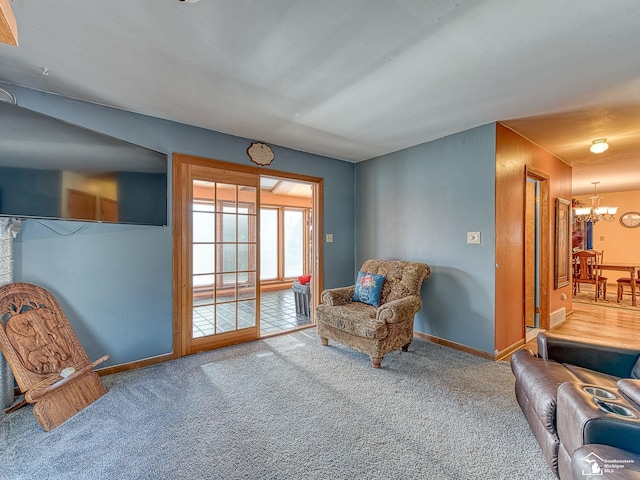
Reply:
x=115, y=281
x=418, y=204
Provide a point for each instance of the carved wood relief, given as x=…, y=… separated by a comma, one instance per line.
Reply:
x=34, y=333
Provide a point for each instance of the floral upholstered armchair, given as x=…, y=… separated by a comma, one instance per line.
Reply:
x=375, y=316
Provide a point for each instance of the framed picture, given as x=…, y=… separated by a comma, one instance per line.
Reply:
x=562, y=270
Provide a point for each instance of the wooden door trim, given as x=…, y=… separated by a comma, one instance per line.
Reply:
x=236, y=167
x=224, y=339
x=181, y=192
x=530, y=275
x=543, y=180
x=317, y=212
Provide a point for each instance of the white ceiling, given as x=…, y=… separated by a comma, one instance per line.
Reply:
x=352, y=79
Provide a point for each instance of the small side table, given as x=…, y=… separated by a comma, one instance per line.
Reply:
x=302, y=295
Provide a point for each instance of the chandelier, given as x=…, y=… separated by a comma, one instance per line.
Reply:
x=595, y=212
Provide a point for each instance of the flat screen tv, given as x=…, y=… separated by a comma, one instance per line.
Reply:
x=51, y=169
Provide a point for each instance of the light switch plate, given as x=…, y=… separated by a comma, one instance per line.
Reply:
x=329, y=237
x=473, y=237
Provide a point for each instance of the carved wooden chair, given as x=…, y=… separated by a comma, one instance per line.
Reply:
x=48, y=362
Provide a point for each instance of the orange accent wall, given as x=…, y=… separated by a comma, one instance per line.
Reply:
x=620, y=244
x=514, y=154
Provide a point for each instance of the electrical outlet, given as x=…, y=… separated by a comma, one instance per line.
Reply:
x=473, y=237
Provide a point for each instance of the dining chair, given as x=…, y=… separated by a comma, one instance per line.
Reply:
x=586, y=270
x=575, y=263
x=626, y=282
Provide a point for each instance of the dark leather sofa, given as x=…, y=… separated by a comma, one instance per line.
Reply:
x=576, y=393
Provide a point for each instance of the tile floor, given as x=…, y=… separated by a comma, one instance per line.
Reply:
x=277, y=314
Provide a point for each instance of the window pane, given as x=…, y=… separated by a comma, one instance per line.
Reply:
x=228, y=227
x=226, y=193
x=247, y=290
x=203, y=320
x=203, y=259
x=228, y=257
x=203, y=190
x=268, y=244
x=243, y=257
x=204, y=226
x=207, y=281
x=225, y=317
x=251, y=256
x=243, y=228
x=247, y=195
x=251, y=228
x=293, y=243
x=203, y=206
x=226, y=289
x=247, y=314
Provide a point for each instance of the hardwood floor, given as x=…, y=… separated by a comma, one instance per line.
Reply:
x=599, y=324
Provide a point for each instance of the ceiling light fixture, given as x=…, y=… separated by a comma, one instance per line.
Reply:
x=599, y=145
x=188, y=1
x=595, y=212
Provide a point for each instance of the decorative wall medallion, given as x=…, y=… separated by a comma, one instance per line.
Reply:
x=260, y=153
x=630, y=219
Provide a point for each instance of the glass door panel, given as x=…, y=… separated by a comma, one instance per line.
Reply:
x=224, y=268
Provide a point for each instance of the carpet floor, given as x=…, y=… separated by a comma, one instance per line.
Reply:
x=288, y=408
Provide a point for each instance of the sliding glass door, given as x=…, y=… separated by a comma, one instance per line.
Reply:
x=222, y=246
x=225, y=242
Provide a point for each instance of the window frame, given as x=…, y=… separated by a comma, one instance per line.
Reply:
x=306, y=262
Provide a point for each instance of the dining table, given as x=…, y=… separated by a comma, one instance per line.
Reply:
x=632, y=268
